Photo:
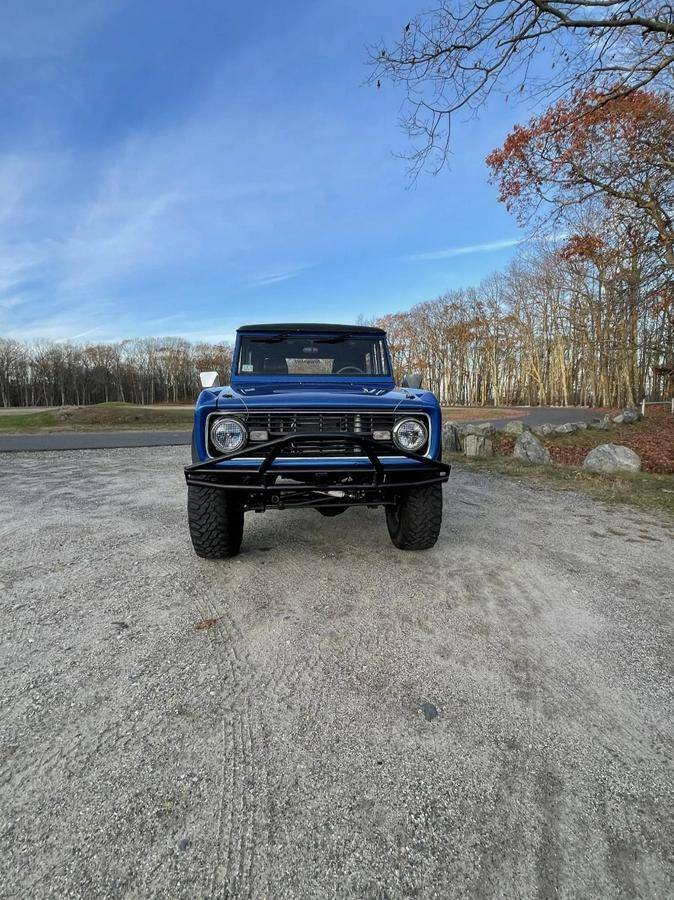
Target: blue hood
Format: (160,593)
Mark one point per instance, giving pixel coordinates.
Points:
(307,395)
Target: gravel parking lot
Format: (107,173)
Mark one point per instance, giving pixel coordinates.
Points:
(489,718)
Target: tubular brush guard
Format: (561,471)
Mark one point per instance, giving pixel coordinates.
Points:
(372,485)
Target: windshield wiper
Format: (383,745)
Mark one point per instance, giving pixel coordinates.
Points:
(281,336)
(337,339)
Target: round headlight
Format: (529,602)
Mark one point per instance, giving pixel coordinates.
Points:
(410,434)
(228,435)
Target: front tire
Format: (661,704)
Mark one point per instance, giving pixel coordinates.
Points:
(215,518)
(414,522)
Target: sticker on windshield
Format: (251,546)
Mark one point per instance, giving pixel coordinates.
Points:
(247,367)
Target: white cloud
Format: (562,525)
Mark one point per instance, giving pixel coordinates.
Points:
(487,247)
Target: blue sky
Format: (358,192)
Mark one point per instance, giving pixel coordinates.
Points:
(181,168)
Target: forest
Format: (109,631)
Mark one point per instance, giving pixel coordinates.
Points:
(568,326)
(147,371)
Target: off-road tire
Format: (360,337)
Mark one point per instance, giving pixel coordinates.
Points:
(330,511)
(414,522)
(216,521)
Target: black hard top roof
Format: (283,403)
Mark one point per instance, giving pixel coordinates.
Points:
(314,327)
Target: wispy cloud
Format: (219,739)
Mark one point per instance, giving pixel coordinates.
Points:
(264,280)
(487,247)
(77,337)
(11,302)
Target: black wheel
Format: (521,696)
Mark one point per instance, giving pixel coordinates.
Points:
(414,522)
(330,511)
(216,521)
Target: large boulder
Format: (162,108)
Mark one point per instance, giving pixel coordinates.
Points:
(451,438)
(516,426)
(602,424)
(543,430)
(580,426)
(566,428)
(478,445)
(529,449)
(607,458)
(484,428)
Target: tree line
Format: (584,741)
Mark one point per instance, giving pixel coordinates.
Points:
(152,370)
(559,326)
(583,322)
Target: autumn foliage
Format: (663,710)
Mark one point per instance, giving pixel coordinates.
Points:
(620,152)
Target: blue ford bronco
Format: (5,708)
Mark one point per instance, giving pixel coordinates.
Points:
(312,418)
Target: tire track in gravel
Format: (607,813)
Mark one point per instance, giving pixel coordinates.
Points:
(242,825)
(231,817)
(277,677)
(242,806)
(553,669)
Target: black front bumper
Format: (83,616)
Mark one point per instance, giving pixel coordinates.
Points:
(307,484)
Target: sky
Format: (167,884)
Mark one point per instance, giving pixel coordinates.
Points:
(172,168)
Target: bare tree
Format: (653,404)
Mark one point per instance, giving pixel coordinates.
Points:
(151,370)
(456,54)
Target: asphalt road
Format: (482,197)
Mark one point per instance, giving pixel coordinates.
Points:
(87,440)
(92,440)
(491,718)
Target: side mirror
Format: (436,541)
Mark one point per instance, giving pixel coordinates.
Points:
(412,380)
(209,379)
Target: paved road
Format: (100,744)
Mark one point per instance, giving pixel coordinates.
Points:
(293,750)
(91,440)
(118,439)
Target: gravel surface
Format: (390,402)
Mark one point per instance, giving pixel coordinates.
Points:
(490,718)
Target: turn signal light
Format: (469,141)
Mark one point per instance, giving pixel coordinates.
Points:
(381,435)
(259,435)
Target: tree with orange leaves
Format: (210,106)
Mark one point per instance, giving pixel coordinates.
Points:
(582,149)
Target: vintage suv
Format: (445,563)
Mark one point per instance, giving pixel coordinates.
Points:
(312,419)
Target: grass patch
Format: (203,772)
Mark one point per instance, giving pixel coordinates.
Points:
(101,417)
(27,421)
(643,490)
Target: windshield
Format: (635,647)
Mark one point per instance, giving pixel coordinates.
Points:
(325,354)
